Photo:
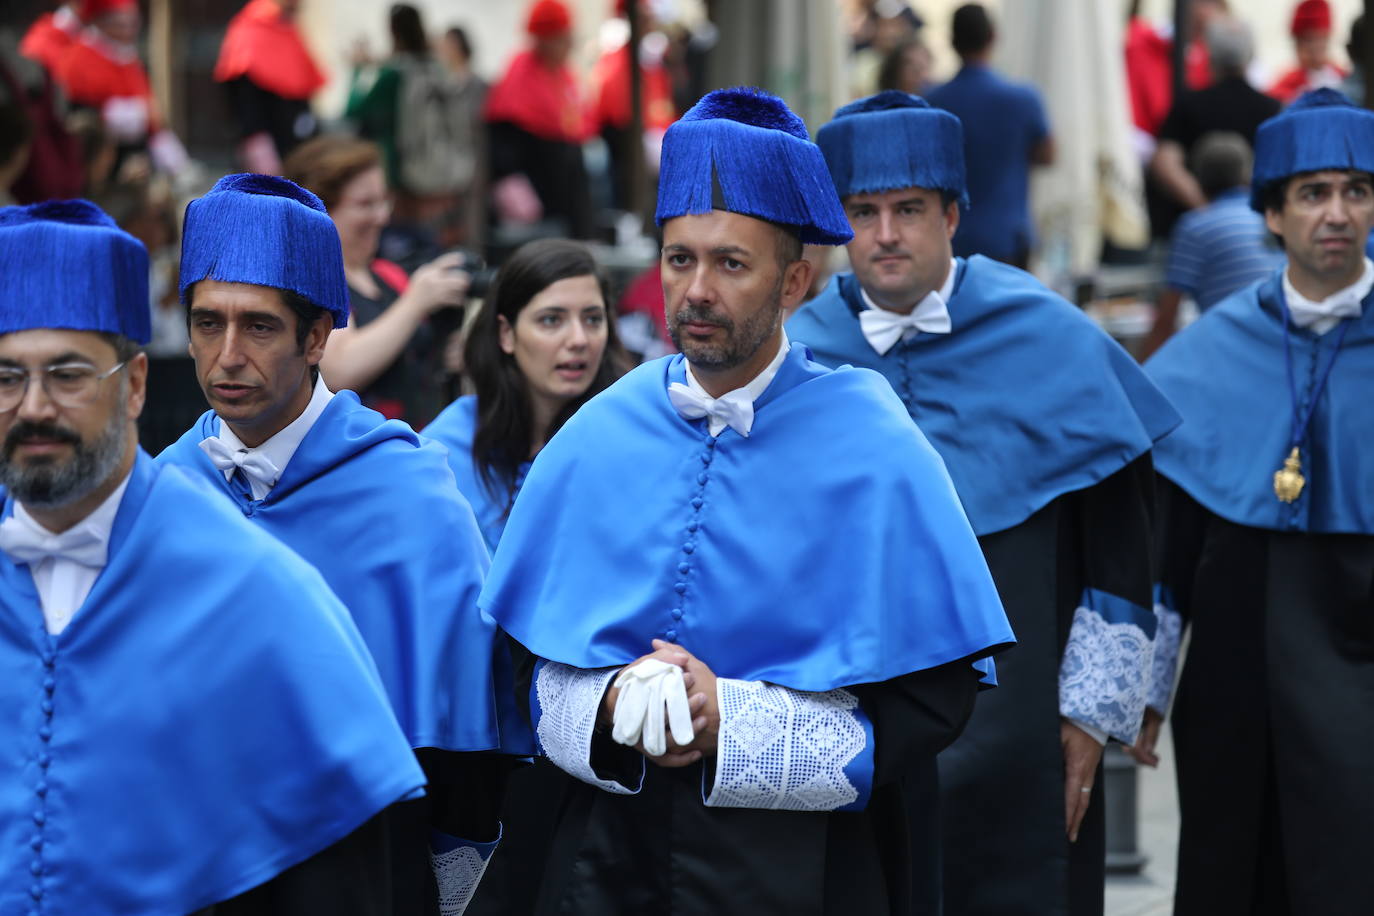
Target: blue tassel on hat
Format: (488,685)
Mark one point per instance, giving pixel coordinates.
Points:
(268,231)
(65,264)
(1321,130)
(743,150)
(893,140)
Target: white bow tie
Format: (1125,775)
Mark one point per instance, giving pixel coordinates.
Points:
(883,329)
(255,465)
(28,544)
(1306,314)
(734,408)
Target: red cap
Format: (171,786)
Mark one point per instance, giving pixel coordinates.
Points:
(92,9)
(549,17)
(1311,16)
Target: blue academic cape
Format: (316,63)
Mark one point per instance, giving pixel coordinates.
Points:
(1026,399)
(1227,374)
(375,510)
(209,717)
(455,428)
(827,549)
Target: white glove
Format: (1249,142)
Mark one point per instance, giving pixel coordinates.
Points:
(647,690)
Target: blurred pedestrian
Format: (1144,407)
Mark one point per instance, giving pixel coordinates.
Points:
(906,68)
(1311,31)
(390,351)
(1266,499)
(102,71)
(610,97)
(51,34)
(537,124)
(1045,425)
(1005,133)
(270,76)
(1229,104)
(1217,249)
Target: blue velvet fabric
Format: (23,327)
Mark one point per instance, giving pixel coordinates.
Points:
(827,549)
(269,231)
(744,151)
(66,264)
(209,718)
(1226,374)
(455,428)
(376,512)
(1025,400)
(1321,130)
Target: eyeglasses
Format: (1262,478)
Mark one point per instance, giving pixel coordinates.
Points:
(67,385)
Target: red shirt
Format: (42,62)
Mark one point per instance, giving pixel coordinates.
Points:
(539,100)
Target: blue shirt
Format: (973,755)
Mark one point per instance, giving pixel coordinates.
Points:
(1003,122)
(1219,249)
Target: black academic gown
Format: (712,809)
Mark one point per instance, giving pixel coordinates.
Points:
(995,387)
(1008,768)
(1273,719)
(662,851)
(381,869)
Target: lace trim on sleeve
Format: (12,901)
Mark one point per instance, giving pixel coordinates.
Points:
(458,870)
(789,750)
(567,700)
(1168,637)
(1104,675)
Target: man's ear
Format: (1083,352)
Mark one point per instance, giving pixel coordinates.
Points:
(317,337)
(137,368)
(951,219)
(796,283)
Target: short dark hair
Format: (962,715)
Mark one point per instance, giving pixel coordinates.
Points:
(789,246)
(971,29)
(408,30)
(125,348)
(306,312)
(460,38)
(1221,160)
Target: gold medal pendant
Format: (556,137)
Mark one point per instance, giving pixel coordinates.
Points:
(1288,480)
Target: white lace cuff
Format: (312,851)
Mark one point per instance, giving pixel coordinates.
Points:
(790,750)
(1168,637)
(458,868)
(564,706)
(1105,673)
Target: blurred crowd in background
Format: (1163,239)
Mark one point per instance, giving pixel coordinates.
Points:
(434,168)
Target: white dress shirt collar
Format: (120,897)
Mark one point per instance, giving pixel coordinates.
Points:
(280,448)
(751,391)
(63,584)
(1322,316)
(930,314)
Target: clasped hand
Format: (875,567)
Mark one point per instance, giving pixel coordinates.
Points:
(650,722)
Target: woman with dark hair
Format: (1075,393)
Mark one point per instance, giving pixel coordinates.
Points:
(541,346)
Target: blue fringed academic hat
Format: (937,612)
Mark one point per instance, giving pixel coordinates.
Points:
(1321,130)
(893,140)
(268,231)
(743,150)
(65,264)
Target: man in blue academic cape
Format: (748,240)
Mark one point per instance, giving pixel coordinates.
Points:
(191,721)
(359,497)
(761,552)
(1267,499)
(1045,425)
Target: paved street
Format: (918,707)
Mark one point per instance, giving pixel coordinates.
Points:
(1151,892)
